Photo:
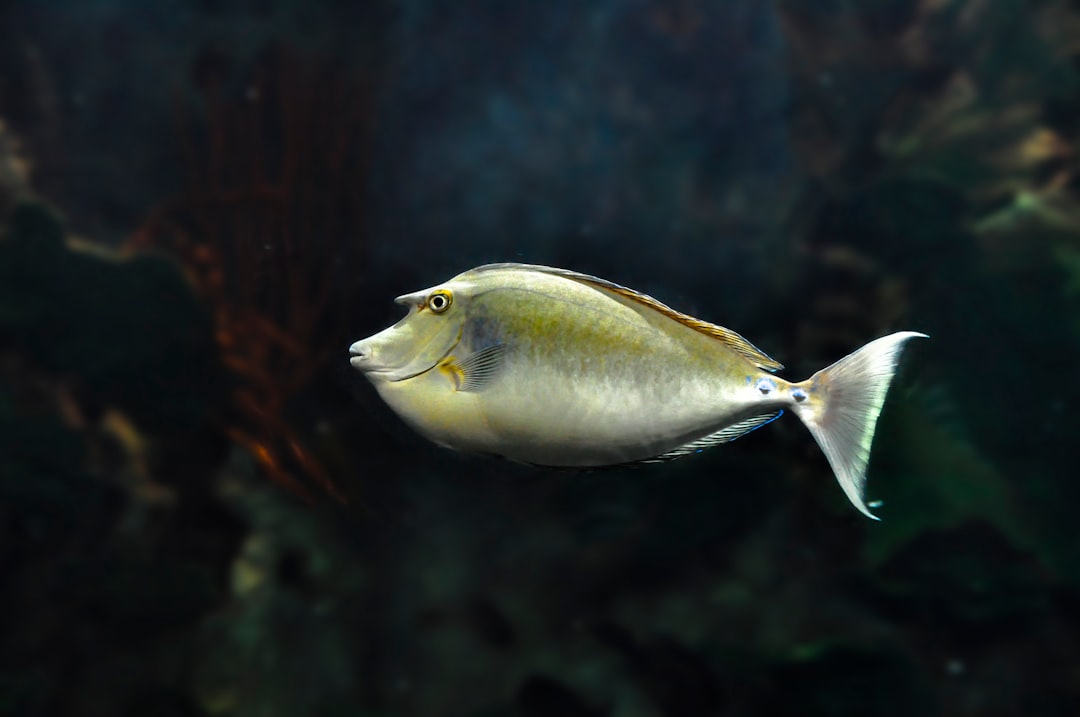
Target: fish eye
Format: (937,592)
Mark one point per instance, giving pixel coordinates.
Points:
(440,301)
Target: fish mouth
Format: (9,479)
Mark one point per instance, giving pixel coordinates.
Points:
(385,373)
(361,355)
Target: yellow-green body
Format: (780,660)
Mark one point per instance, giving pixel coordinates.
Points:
(556,368)
(590,378)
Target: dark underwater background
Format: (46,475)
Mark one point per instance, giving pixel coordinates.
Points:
(204,511)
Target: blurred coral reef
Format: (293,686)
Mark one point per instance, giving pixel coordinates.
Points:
(275,207)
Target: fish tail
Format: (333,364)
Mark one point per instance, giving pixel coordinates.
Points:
(840,405)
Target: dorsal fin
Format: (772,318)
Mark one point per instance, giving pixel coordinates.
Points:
(731,339)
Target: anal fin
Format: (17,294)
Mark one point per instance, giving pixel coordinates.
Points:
(724,435)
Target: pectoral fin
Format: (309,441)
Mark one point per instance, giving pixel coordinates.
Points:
(476,371)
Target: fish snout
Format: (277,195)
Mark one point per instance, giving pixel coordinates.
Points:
(360,354)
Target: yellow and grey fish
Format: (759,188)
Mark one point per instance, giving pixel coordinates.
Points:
(556,368)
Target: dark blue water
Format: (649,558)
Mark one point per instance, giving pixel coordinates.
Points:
(205,511)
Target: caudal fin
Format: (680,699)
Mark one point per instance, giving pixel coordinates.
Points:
(842,405)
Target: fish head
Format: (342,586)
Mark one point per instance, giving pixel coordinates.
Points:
(418,342)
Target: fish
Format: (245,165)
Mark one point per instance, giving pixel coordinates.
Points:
(560,369)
